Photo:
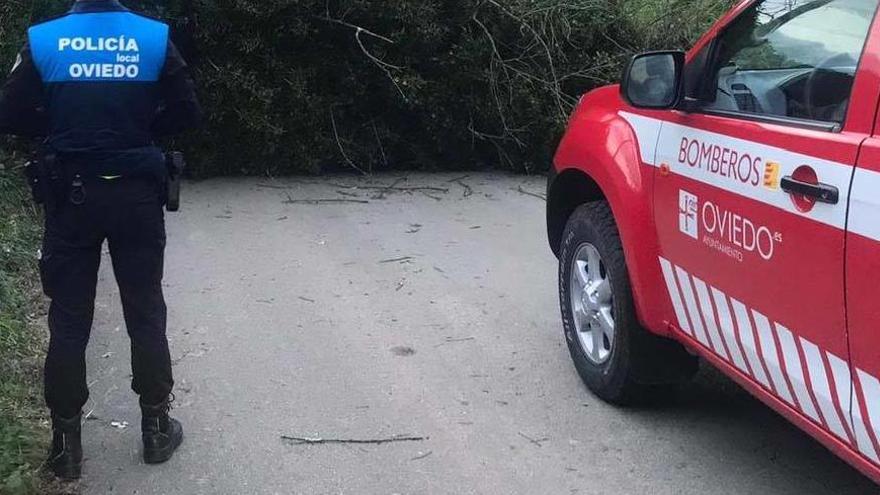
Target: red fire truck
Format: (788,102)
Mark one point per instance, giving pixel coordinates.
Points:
(724,203)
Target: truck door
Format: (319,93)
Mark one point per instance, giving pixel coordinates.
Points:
(751,199)
(863,276)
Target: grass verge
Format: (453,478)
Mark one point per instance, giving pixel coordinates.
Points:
(23,425)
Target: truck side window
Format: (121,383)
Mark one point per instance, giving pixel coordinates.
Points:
(791,58)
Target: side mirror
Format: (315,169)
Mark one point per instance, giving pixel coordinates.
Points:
(654,80)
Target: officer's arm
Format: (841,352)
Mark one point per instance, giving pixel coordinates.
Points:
(22,110)
(180,108)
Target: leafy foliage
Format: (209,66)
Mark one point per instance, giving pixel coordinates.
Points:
(21,431)
(313,85)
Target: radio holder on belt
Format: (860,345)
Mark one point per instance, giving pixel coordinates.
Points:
(43,179)
(176,165)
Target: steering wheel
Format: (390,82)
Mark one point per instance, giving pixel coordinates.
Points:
(823,77)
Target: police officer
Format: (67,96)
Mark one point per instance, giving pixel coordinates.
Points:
(101,83)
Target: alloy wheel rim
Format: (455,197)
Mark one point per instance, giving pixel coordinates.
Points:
(592,304)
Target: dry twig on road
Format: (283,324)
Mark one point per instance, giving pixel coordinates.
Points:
(454,340)
(468,190)
(388,189)
(395,188)
(533,440)
(397,260)
(370,441)
(422,456)
(436,198)
(529,193)
(291,201)
(349,194)
(463,177)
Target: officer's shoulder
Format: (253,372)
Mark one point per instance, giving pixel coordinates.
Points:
(48,20)
(148,17)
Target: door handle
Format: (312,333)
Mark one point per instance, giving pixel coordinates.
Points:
(823,193)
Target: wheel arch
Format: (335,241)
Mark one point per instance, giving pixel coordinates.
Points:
(599,159)
(566,191)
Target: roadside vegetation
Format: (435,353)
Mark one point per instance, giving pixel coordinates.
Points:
(23,427)
(305,86)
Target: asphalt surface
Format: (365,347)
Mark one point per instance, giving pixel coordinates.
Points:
(425,313)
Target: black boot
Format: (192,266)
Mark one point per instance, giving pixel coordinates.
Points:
(65,458)
(162,434)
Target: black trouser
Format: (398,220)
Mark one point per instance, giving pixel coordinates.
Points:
(128,214)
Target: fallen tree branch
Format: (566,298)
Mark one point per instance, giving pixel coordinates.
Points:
(379,141)
(348,160)
(371,441)
(388,189)
(355,27)
(526,26)
(381,64)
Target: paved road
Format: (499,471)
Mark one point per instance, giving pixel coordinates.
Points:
(420,313)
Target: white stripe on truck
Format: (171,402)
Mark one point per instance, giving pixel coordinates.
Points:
(659,142)
(810,391)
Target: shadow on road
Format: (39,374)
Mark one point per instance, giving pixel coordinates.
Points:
(750,435)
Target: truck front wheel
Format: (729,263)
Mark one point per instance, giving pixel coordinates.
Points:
(613,354)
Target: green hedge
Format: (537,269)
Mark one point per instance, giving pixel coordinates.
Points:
(23,430)
(315,85)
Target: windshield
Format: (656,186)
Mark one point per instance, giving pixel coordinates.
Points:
(790,34)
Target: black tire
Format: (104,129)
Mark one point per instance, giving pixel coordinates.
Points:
(640,364)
